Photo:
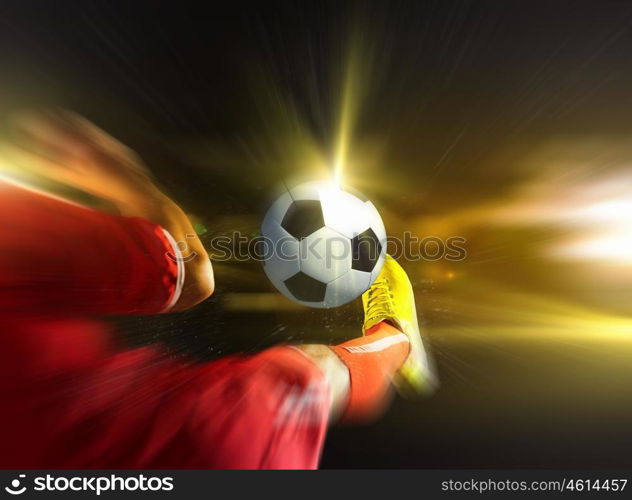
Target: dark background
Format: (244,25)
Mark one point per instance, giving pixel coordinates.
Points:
(456,96)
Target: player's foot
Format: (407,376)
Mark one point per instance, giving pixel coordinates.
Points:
(391,299)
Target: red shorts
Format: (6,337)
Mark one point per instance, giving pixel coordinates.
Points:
(72,399)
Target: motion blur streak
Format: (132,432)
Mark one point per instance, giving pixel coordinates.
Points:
(506,123)
(571,212)
(353,87)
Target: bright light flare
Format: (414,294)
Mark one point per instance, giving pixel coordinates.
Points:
(593,220)
(608,224)
(616,249)
(353,90)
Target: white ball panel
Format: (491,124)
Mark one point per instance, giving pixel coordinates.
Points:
(317,305)
(344,212)
(279,269)
(325,255)
(346,288)
(284,259)
(375,222)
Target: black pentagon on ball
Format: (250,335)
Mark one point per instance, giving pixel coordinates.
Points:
(303,217)
(366,249)
(306,288)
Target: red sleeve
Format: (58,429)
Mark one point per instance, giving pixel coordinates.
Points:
(59,257)
(268,411)
(71,401)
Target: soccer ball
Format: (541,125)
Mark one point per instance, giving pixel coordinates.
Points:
(323,246)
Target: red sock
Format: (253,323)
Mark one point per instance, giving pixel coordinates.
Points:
(372,360)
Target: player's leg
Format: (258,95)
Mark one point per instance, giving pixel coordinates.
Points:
(140,409)
(353,379)
(272,410)
(361,371)
(390,299)
(391,350)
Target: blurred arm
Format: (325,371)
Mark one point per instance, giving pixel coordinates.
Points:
(199,282)
(71,150)
(61,258)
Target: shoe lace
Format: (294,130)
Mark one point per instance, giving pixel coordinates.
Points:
(379,298)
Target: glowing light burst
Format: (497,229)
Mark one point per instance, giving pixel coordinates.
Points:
(613,249)
(353,87)
(609,227)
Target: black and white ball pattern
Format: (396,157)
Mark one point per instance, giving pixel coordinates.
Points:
(327,245)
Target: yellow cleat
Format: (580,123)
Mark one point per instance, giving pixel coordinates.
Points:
(391,299)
